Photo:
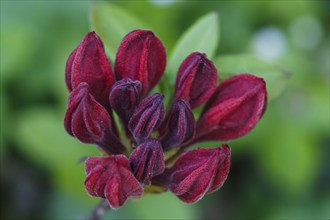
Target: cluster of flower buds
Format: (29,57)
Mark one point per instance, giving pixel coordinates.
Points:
(232,109)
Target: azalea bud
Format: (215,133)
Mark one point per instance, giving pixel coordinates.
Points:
(233,110)
(180,125)
(147,161)
(111,178)
(196,80)
(88,63)
(147,117)
(124,97)
(89,121)
(199,172)
(141,56)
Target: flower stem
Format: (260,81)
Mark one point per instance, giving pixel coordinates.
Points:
(99,210)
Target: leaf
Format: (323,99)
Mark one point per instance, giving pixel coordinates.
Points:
(202,36)
(275,76)
(112,23)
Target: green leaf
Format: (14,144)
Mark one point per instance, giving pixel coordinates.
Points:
(112,23)
(275,76)
(202,36)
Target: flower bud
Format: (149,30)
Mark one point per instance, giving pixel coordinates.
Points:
(196,80)
(89,121)
(141,56)
(147,161)
(111,178)
(147,117)
(88,63)
(233,110)
(180,125)
(124,97)
(199,172)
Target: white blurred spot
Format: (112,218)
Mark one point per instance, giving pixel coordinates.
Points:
(306,32)
(163,2)
(269,43)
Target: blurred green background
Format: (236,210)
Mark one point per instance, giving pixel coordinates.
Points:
(279,171)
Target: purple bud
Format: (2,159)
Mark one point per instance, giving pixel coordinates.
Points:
(233,110)
(180,125)
(147,117)
(141,56)
(147,161)
(111,178)
(88,63)
(196,80)
(199,172)
(124,97)
(89,121)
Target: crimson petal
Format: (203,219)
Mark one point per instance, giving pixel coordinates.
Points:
(141,56)
(111,178)
(147,161)
(196,80)
(233,110)
(89,63)
(89,121)
(199,172)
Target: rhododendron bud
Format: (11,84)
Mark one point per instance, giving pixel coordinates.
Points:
(234,109)
(198,172)
(111,178)
(180,125)
(89,121)
(141,56)
(147,117)
(196,80)
(147,161)
(124,97)
(88,63)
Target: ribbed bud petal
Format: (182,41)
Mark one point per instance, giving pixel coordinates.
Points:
(88,63)
(233,110)
(147,117)
(198,172)
(147,161)
(180,125)
(124,97)
(89,121)
(141,56)
(111,178)
(196,80)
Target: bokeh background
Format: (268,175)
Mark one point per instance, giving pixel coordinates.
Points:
(279,171)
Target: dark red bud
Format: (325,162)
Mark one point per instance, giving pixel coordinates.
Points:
(111,178)
(88,63)
(147,117)
(147,161)
(196,80)
(180,125)
(199,172)
(234,109)
(141,56)
(124,97)
(89,121)
(68,69)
